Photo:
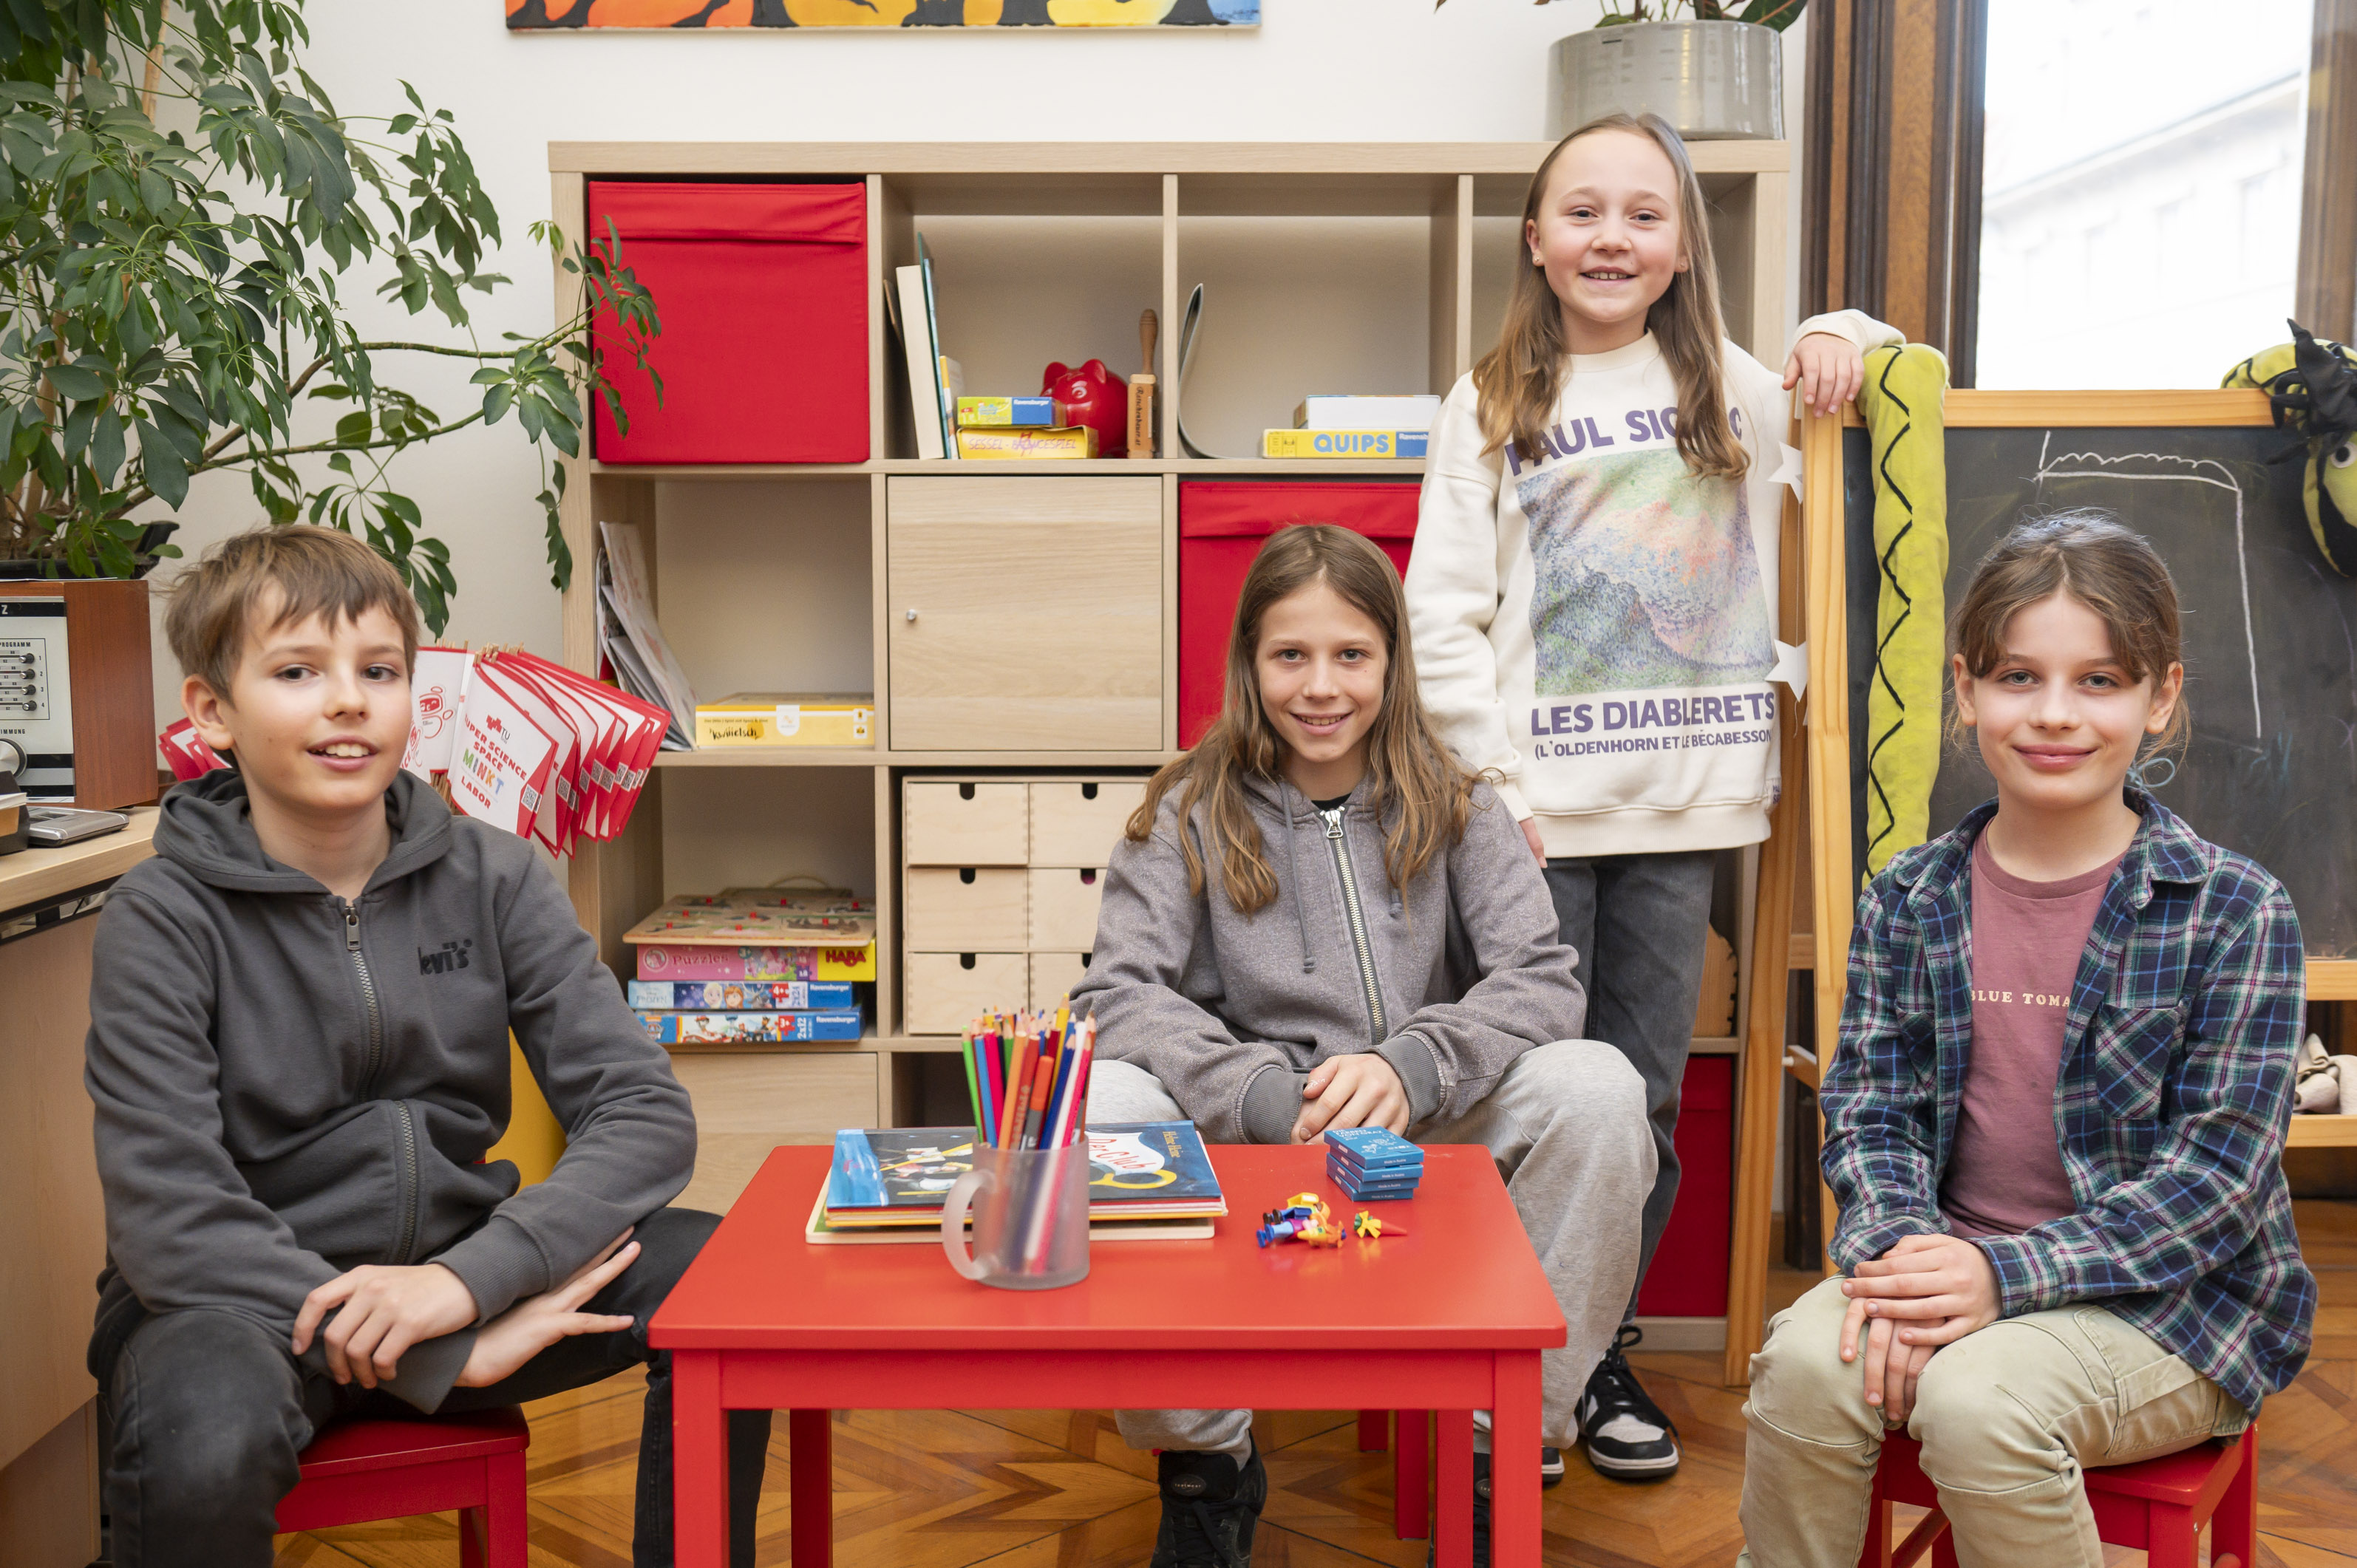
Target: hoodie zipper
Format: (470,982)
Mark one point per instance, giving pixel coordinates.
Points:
(1367,982)
(404,1128)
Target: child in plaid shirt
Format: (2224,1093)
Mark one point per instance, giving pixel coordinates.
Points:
(2056,1121)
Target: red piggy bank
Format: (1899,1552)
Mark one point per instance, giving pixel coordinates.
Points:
(1093,396)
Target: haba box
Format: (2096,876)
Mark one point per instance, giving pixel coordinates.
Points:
(787,718)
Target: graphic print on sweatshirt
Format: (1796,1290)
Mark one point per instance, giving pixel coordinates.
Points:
(1645,577)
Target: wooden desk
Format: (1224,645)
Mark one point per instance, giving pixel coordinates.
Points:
(48,1187)
(1451,1317)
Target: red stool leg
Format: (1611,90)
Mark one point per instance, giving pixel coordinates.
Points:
(2171,1538)
(1375,1430)
(1411,1452)
(2235,1528)
(812,1435)
(472,1527)
(1453,1532)
(506,1517)
(1875,1553)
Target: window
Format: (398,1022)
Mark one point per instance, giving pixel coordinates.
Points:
(2141,178)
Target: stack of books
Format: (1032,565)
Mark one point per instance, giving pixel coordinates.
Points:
(797,952)
(1148,1181)
(1019,427)
(787,718)
(1341,427)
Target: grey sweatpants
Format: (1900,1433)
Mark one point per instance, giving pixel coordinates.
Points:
(1566,1126)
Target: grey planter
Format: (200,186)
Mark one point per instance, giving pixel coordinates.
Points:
(1712,80)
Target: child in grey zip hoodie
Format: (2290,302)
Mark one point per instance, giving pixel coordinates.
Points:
(1319,920)
(298,1060)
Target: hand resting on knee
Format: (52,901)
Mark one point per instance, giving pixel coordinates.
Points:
(1926,1292)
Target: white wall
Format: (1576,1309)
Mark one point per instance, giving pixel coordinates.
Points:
(1316,69)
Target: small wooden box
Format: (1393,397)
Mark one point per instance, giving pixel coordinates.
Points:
(1053,975)
(944,991)
(113,762)
(966,824)
(1064,902)
(964,909)
(1077,823)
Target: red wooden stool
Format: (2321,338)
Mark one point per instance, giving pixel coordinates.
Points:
(2159,1505)
(357,1471)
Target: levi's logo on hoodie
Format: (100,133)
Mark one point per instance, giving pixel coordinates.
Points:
(449,956)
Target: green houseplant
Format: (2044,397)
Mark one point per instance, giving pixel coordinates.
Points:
(171,299)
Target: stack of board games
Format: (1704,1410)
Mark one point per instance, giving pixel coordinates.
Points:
(757,933)
(1372,1163)
(1147,1181)
(753,966)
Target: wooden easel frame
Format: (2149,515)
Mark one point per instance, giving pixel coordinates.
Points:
(1819,763)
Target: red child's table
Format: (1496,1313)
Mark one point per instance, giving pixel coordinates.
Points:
(1451,1317)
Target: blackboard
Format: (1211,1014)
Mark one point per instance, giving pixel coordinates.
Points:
(2270,634)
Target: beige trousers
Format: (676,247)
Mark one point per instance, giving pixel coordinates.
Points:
(2006,1417)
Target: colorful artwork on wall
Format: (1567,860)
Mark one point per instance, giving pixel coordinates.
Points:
(530,16)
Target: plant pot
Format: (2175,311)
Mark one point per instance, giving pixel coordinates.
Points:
(1711,80)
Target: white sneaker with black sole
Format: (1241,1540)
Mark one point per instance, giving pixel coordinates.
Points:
(1627,1435)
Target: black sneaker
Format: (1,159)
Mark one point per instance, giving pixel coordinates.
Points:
(1550,1468)
(1209,1509)
(1628,1436)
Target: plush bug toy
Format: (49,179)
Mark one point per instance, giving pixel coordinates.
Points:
(2311,384)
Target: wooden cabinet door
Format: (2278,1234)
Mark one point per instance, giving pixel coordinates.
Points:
(1026,613)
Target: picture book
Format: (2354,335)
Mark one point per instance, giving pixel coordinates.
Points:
(820,1231)
(1356,444)
(923,363)
(900,1175)
(738,995)
(1330,412)
(680,960)
(787,718)
(750,1028)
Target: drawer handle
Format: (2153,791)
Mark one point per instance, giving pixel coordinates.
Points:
(1088,879)
(1088,791)
(965,874)
(912,615)
(965,961)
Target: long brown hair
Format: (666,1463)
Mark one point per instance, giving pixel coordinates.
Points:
(2109,568)
(1406,764)
(1520,380)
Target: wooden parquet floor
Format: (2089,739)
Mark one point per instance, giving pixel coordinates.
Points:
(1059,1490)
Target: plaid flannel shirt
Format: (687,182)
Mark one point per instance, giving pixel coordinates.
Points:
(2172,1106)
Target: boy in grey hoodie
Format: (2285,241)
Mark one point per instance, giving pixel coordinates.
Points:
(1320,941)
(299,1058)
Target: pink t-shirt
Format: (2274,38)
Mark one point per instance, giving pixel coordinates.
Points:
(2005,1167)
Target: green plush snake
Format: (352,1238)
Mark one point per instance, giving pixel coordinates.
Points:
(2311,385)
(1903,405)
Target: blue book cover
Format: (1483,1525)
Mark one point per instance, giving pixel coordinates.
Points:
(1135,1168)
(739,995)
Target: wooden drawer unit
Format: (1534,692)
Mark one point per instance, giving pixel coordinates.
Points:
(1000,883)
(1053,975)
(972,823)
(747,1102)
(966,909)
(1064,902)
(941,993)
(1077,822)
(972,670)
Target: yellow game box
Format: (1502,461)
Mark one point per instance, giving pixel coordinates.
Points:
(787,718)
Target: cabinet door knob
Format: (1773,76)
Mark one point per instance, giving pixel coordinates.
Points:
(910,613)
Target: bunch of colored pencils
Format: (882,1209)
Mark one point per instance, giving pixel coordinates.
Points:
(1027,1076)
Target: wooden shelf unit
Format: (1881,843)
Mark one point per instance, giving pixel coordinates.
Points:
(730,535)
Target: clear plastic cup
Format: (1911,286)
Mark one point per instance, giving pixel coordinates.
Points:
(1030,1217)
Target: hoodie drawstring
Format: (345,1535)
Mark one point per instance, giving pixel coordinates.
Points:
(1292,869)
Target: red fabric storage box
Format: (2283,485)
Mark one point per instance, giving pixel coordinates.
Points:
(762,292)
(1688,1278)
(1221,526)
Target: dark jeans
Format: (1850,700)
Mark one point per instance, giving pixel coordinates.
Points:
(1637,923)
(208,1411)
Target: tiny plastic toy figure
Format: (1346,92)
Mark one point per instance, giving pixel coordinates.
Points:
(1320,1232)
(1298,1211)
(1366,1228)
(1283,1229)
